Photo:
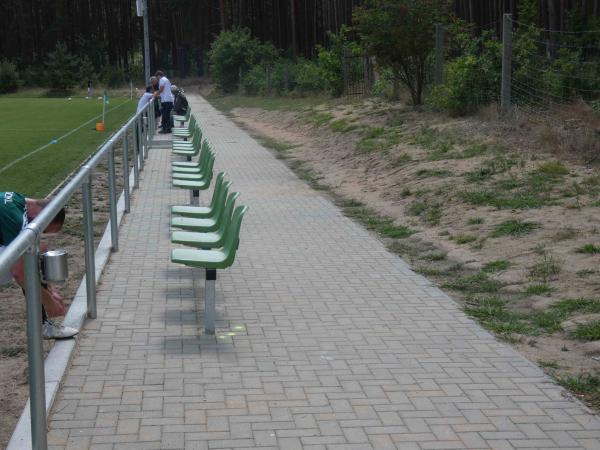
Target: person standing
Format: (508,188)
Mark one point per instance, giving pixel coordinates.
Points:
(16,211)
(166,101)
(145,98)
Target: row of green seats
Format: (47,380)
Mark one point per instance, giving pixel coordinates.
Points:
(212,231)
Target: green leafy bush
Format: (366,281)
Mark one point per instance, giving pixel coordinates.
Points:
(309,78)
(470,80)
(331,61)
(235,50)
(9,77)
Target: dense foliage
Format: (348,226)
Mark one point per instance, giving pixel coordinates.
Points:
(399,33)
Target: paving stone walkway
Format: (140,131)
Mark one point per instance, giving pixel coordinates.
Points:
(325,340)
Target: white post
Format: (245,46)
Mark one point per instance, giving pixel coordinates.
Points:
(103,106)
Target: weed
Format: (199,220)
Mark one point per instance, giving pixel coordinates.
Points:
(351,203)
(493,315)
(584,384)
(553,169)
(548,268)
(548,364)
(433,173)
(401,159)
(478,282)
(381,224)
(341,126)
(464,238)
(274,144)
(589,249)
(475,221)
(480,174)
(429,213)
(474,150)
(584,273)
(496,266)
(514,228)
(436,256)
(405,192)
(569,306)
(318,118)
(538,289)
(12,352)
(518,200)
(547,321)
(587,331)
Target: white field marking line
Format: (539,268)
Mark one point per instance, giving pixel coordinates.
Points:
(39,149)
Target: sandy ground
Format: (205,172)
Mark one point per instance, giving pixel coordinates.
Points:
(394,177)
(14,389)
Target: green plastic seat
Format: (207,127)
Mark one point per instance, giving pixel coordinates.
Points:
(192,146)
(214,239)
(198,175)
(189,163)
(207,224)
(183,118)
(204,211)
(196,167)
(200,184)
(217,258)
(186,131)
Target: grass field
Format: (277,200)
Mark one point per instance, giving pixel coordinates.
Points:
(28,123)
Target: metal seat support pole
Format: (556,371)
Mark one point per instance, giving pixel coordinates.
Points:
(35,350)
(209,301)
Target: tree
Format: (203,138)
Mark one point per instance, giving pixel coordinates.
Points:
(62,69)
(400,34)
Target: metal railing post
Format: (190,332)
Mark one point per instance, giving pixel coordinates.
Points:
(126,174)
(135,158)
(112,201)
(146,134)
(35,350)
(88,229)
(140,144)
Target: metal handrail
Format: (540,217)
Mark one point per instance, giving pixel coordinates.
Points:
(26,245)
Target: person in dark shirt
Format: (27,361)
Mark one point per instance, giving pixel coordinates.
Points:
(180,104)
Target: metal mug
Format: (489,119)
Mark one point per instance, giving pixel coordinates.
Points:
(54,265)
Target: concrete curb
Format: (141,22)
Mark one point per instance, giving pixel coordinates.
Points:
(58,359)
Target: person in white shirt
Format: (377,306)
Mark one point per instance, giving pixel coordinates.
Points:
(145,98)
(166,101)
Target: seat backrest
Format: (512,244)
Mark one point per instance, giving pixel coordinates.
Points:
(220,181)
(192,124)
(224,214)
(208,167)
(233,234)
(220,202)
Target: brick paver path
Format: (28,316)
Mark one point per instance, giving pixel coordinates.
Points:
(325,340)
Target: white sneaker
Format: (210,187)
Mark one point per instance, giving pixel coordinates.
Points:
(51,330)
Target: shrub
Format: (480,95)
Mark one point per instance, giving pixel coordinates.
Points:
(9,77)
(331,61)
(113,76)
(309,77)
(470,80)
(255,81)
(235,50)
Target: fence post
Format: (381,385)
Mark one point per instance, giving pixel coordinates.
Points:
(35,351)
(88,238)
(268,77)
(240,80)
(126,173)
(112,201)
(439,54)
(506,64)
(346,54)
(286,77)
